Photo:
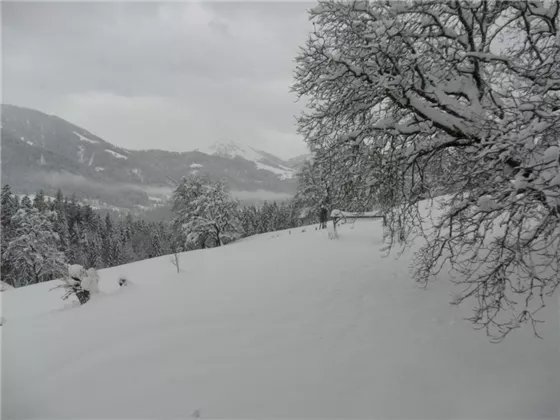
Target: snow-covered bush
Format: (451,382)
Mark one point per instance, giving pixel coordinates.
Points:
(80,282)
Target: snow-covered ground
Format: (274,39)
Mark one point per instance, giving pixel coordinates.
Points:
(5,286)
(26,141)
(115,154)
(84,138)
(275,326)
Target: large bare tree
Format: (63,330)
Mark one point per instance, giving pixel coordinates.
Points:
(457,99)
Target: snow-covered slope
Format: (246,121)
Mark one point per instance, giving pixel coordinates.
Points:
(263,160)
(282,325)
(231,150)
(5,286)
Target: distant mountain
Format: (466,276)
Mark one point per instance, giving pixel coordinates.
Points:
(298,161)
(44,151)
(262,160)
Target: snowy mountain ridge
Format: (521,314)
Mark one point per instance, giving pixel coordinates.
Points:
(231,150)
(41,151)
(262,160)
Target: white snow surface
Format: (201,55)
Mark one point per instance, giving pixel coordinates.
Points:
(275,326)
(196,165)
(5,286)
(26,141)
(84,138)
(115,154)
(76,270)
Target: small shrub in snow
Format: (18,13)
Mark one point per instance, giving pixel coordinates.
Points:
(176,261)
(123,281)
(80,282)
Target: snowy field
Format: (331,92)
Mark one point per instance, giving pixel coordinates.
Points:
(276,326)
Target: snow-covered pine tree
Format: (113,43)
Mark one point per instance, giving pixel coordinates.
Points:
(8,210)
(92,252)
(248,217)
(398,88)
(26,202)
(265,214)
(33,253)
(76,244)
(61,228)
(128,254)
(156,248)
(272,220)
(39,201)
(283,218)
(58,203)
(116,255)
(107,241)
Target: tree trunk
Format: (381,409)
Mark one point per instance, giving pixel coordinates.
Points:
(218,239)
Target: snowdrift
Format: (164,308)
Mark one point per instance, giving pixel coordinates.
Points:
(282,325)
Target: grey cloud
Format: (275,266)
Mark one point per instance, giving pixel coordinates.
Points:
(224,65)
(65,180)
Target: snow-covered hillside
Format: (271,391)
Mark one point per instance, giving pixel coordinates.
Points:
(282,325)
(231,150)
(262,160)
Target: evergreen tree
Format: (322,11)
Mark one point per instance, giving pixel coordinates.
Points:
(26,202)
(156,248)
(33,253)
(107,240)
(264,215)
(61,228)
(58,203)
(116,256)
(39,201)
(128,254)
(93,258)
(9,209)
(76,245)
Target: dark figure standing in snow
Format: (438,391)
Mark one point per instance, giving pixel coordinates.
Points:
(323,217)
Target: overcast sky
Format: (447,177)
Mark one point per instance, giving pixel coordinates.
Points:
(172,76)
